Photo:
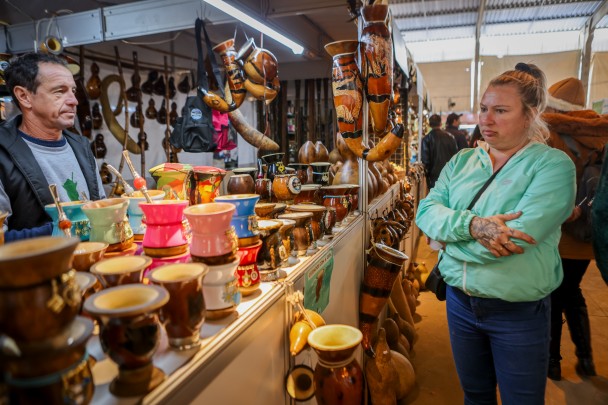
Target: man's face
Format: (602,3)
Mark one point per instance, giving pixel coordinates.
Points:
(53,105)
(456,122)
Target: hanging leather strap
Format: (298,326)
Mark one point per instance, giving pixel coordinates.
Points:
(202,76)
(486,184)
(480,192)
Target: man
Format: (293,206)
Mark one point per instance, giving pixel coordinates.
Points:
(600,219)
(451,125)
(436,150)
(35,149)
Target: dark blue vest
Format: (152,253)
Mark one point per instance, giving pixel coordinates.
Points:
(24,182)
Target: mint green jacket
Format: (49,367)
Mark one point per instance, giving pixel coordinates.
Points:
(537,180)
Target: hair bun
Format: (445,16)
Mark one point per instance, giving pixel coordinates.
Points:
(523,67)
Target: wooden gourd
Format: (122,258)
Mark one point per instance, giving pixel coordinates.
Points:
(406,377)
(381,375)
(349,172)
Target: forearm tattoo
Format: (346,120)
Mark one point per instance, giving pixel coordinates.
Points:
(484,230)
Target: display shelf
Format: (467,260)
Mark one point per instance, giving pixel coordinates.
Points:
(217,336)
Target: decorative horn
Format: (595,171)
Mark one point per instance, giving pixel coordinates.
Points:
(52,45)
(216,102)
(249,133)
(260,92)
(385,148)
(234,73)
(108,115)
(376,51)
(348,102)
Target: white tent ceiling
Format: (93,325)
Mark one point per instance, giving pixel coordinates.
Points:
(437,30)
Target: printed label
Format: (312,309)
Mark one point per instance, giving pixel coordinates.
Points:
(196,114)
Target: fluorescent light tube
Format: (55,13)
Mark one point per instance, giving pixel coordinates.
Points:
(252,22)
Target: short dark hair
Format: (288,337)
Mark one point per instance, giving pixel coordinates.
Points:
(451,118)
(23,71)
(435,121)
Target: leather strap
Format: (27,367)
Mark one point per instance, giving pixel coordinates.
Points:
(202,77)
(486,184)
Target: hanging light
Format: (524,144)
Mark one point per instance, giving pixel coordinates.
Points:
(252,22)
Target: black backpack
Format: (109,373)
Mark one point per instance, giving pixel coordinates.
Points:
(582,228)
(193,131)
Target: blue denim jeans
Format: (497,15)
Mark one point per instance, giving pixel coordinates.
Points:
(495,341)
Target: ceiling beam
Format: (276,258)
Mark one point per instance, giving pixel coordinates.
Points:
(476,64)
(320,43)
(601,11)
(290,8)
(588,31)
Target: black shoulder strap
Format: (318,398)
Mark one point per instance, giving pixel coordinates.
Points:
(486,184)
(202,77)
(480,192)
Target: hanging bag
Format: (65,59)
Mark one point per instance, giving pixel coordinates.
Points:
(581,229)
(193,131)
(435,281)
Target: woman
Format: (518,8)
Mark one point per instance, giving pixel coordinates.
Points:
(500,259)
(581,134)
(475,138)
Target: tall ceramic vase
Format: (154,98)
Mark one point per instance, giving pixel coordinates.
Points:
(244,219)
(184,314)
(247,273)
(136,214)
(338,376)
(73,210)
(38,294)
(171,177)
(202,184)
(109,223)
(347,88)
(165,234)
(383,266)
(221,291)
(377,64)
(214,240)
(130,334)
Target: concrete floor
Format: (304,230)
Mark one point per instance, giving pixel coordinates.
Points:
(437,381)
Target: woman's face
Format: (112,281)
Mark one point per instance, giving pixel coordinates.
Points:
(502,120)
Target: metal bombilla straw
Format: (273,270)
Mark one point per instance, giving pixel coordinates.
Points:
(62,220)
(126,186)
(138,181)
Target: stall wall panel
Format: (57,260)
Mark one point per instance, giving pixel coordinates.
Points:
(250,370)
(445,80)
(256,361)
(556,66)
(599,78)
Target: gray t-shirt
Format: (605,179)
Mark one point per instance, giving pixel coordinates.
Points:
(60,166)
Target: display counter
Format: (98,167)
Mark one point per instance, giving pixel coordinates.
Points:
(244,358)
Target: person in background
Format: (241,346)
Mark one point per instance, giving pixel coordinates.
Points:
(437,148)
(36,150)
(475,138)
(581,134)
(500,259)
(599,214)
(451,125)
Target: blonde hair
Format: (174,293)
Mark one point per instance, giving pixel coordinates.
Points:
(531,84)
